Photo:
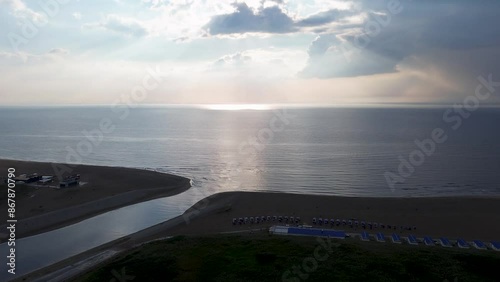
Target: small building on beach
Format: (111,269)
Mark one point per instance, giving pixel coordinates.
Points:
(73,180)
(28,178)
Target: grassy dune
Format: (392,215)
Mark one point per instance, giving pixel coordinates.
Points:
(265,258)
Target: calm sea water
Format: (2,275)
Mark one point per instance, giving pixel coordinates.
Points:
(334,151)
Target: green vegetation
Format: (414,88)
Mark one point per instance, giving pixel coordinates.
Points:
(267,258)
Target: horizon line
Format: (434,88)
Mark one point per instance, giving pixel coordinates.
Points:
(255,106)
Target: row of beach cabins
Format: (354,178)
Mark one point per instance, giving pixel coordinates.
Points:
(307,230)
(259,219)
(358,223)
(380,237)
(322,222)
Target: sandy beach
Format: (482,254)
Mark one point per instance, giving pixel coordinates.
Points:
(460,217)
(40,209)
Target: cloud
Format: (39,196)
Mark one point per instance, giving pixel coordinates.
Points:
(321,18)
(15,58)
(262,64)
(21,11)
(421,30)
(119,24)
(244,19)
(238,59)
(267,19)
(77,16)
(59,51)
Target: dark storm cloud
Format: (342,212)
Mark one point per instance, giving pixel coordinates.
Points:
(421,29)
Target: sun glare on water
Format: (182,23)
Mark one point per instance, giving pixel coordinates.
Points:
(237,107)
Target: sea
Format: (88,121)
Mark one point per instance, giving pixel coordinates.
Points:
(328,151)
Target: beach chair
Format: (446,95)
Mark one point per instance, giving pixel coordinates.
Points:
(268,218)
(292,219)
(428,241)
(412,240)
(380,238)
(365,236)
(320,221)
(234,221)
(479,245)
(396,239)
(445,242)
(337,222)
(495,246)
(297,219)
(462,244)
(314,220)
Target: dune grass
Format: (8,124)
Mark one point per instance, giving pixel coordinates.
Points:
(268,258)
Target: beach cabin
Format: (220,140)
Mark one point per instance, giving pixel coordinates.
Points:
(445,242)
(462,244)
(396,239)
(380,238)
(479,245)
(428,241)
(365,236)
(495,246)
(412,240)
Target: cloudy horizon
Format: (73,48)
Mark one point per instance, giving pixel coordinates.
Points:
(250,52)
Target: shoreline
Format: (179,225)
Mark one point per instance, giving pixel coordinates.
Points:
(42,209)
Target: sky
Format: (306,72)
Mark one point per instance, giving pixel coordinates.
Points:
(250,52)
